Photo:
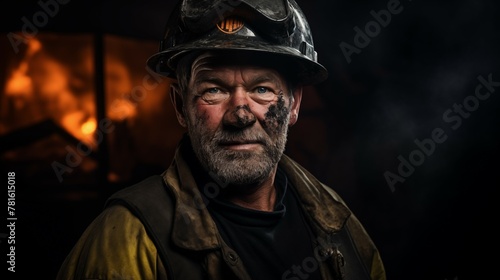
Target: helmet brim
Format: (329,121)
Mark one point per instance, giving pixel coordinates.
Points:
(299,67)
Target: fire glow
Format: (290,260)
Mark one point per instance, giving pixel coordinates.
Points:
(49,95)
(49,87)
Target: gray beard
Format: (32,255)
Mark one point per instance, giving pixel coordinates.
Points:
(237,167)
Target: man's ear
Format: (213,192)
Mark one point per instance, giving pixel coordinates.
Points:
(295,106)
(177,100)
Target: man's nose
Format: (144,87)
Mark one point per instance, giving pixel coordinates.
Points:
(239,113)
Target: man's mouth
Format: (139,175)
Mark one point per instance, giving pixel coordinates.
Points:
(242,145)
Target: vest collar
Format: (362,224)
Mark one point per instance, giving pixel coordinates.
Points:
(193,226)
(319,202)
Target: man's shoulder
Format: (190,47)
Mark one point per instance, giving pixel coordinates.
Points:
(144,194)
(139,190)
(116,219)
(114,234)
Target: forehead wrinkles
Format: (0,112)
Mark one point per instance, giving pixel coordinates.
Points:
(255,75)
(234,75)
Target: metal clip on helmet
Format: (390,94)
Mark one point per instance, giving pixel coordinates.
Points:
(272,29)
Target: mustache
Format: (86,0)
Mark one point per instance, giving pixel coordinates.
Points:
(224,137)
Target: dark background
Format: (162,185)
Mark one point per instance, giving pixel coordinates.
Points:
(440,223)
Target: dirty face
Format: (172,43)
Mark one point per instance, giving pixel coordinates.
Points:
(238,118)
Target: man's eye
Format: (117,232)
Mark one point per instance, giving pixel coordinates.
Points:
(213,95)
(262,90)
(213,90)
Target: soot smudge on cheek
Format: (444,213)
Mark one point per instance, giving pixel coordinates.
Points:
(277,114)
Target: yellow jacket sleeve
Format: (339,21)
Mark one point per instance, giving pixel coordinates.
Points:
(114,246)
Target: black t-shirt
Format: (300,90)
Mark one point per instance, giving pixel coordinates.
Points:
(269,243)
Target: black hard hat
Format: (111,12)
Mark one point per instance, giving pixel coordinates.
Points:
(275,29)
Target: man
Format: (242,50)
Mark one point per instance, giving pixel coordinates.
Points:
(231,205)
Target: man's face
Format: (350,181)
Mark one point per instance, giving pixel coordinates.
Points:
(237,118)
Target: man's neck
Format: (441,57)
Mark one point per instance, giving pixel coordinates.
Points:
(260,197)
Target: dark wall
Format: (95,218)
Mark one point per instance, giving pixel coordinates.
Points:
(415,79)
(402,133)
